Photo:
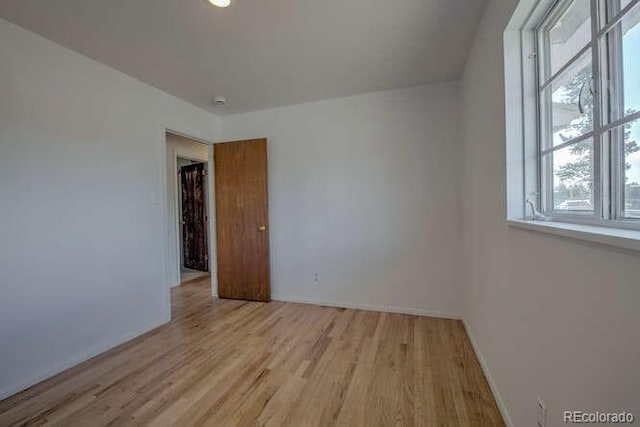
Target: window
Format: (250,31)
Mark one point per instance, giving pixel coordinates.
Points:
(587,84)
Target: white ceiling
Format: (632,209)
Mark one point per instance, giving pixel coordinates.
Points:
(263,53)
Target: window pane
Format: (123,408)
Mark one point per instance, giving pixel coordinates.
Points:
(569,34)
(573,178)
(631,193)
(614,7)
(568,103)
(623,43)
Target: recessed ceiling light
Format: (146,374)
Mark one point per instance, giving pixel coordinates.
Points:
(220,3)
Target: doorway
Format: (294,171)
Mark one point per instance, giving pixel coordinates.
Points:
(233,191)
(188,210)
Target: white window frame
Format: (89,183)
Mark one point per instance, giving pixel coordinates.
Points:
(608,178)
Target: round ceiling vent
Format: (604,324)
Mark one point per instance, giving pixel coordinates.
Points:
(220,101)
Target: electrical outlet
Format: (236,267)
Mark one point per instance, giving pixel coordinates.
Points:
(316,278)
(542,413)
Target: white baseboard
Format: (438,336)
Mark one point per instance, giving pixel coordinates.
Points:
(492,384)
(383,308)
(60,367)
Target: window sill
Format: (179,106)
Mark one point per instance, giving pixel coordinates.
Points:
(622,238)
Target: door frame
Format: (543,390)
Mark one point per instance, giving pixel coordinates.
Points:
(178,212)
(170,282)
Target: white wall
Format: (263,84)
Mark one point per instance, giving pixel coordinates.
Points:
(365,192)
(178,146)
(82,236)
(552,317)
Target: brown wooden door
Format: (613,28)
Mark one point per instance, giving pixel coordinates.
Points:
(242,227)
(194,217)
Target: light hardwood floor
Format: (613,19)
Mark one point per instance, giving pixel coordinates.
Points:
(225,363)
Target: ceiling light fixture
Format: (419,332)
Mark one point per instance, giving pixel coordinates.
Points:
(220,3)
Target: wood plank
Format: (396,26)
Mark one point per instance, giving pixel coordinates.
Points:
(238,363)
